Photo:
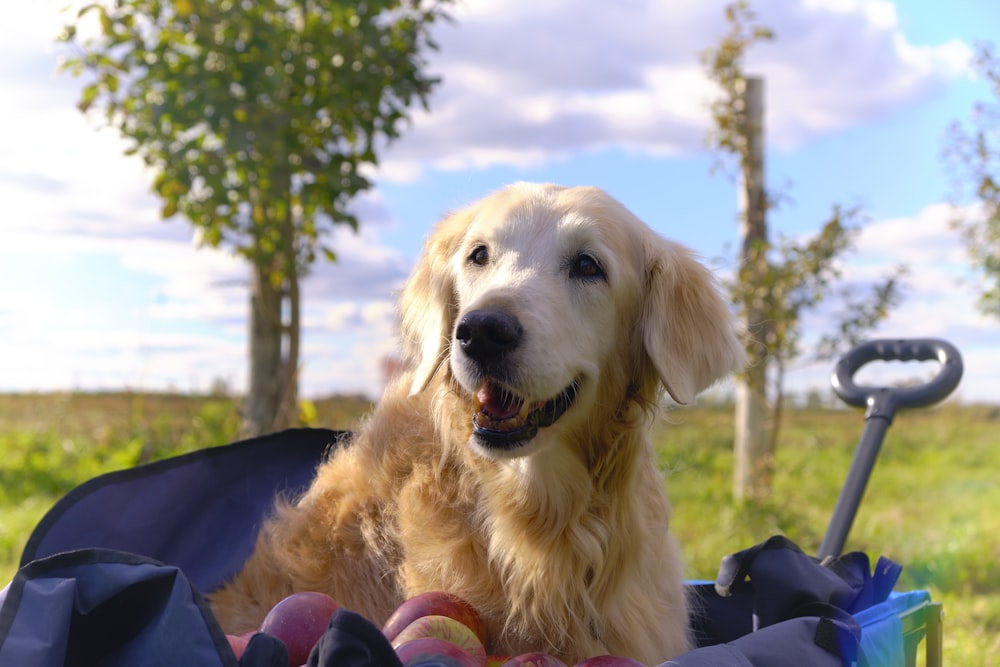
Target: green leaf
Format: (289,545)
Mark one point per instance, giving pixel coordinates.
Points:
(88,97)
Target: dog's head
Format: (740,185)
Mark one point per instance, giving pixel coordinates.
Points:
(545,303)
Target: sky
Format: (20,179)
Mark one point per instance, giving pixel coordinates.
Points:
(98,293)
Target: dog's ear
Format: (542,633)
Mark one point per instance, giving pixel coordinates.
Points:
(428,305)
(688,330)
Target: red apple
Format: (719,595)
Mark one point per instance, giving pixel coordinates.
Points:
(534,660)
(436,651)
(299,620)
(448,629)
(609,661)
(238,643)
(435,603)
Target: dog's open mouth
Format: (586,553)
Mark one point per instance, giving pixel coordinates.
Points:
(504,420)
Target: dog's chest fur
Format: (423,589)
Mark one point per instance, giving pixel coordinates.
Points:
(533,547)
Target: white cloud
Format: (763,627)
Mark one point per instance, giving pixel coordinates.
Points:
(627,75)
(939,302)
(34,23)
(834,65)
(56,348)
(879,13)
(341,316)
(933,251)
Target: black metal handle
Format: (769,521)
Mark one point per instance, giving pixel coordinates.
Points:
(882,403)
(913,349)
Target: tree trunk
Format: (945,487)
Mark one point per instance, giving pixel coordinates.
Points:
(752,442)
(264,384)
(288,401)
(753,468)
(286,413)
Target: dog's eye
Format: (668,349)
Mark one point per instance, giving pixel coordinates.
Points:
(480,256)
(585,266)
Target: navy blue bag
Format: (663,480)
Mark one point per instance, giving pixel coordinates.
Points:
(105,607)
(114,574)
(199,511)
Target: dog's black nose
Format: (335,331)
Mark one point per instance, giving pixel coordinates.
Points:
(486,334)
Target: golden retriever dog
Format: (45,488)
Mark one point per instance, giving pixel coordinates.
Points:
(509,462)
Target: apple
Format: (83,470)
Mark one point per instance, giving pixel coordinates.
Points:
(534,660)
(448,629)
(434,651)
(299,621)
(238,643)
(609,661)
(435,603)
(497,660)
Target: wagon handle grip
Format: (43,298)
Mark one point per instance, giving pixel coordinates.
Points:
(887,399)
(881,404)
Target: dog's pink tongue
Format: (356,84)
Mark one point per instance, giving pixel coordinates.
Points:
(497,402)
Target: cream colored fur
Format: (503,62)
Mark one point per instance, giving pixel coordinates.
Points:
(562,544)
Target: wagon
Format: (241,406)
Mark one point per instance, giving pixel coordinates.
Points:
(93,590)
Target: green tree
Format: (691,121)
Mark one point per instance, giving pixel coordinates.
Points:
(258,120)
(776,283)
(973,151)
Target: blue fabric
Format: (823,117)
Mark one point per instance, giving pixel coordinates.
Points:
(882,629)
(774,605)
(720,655)
(200,511)
(101,607)
(790,643)
(792,583)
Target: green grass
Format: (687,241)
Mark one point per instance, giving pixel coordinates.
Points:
(931,504)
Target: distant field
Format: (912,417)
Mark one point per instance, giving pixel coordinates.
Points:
(933,504)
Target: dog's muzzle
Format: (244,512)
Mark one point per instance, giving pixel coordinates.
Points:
(502,419)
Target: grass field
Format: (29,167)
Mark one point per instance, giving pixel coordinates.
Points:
(932,504)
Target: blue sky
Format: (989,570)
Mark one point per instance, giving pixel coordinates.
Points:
(98,293)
